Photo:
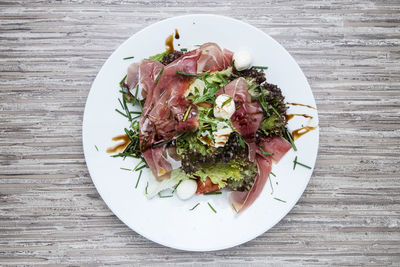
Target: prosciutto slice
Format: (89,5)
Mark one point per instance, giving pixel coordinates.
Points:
(156,158)
(247,118)
(147,70)
(165,107)
(132,78)
(246,121)
(276,145)
(213,58)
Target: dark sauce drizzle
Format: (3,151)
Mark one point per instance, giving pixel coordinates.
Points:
(121,146)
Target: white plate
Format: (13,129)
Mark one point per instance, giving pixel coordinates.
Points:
(168,221)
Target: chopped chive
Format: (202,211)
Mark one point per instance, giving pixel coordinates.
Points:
(96,147)
(140,105)
(233,207)
(239,106)
(301,164)
(180,181)
(270,182)
(159,194)
(125,169)
(211,207)
(266,153)
(289,135)
(162,143)
(125,58)
(186,74)
(126,108)
(122,155)
(226,101)
(122,106)
(280,200)
(136,117)
(184,49)
(121,83)
(136,93)
(276,112)
(140,162)
(142,167)
(135,124)
(127,133)
(158,77)
(121,113)
(187,113)
(195,206)
(213,193)
(260,67)
(140,175)
(147,185)
(273,174)
(295,162)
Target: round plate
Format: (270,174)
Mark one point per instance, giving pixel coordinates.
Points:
(169,221)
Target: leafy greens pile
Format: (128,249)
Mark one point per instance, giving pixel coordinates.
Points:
(226,166)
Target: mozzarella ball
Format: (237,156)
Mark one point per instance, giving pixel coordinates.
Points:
(242,60)
(186,189)
(224,107)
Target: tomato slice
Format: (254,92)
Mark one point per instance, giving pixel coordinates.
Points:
(206,187)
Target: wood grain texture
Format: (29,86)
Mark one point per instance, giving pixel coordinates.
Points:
(50,212)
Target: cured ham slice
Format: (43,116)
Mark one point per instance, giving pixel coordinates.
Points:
(246,121)
(156,158)
(279,146)
(165,107)
(276,145)
(132,78)
(147,70)
(228,55)
(213,58)
(247,118)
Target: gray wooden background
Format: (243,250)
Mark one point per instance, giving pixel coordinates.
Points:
(50,212)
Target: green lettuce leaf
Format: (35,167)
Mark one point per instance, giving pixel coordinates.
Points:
(219,173)
(159,57)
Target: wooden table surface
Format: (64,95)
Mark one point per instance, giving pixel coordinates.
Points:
(50,211)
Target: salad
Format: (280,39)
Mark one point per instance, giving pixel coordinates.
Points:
(203,120)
